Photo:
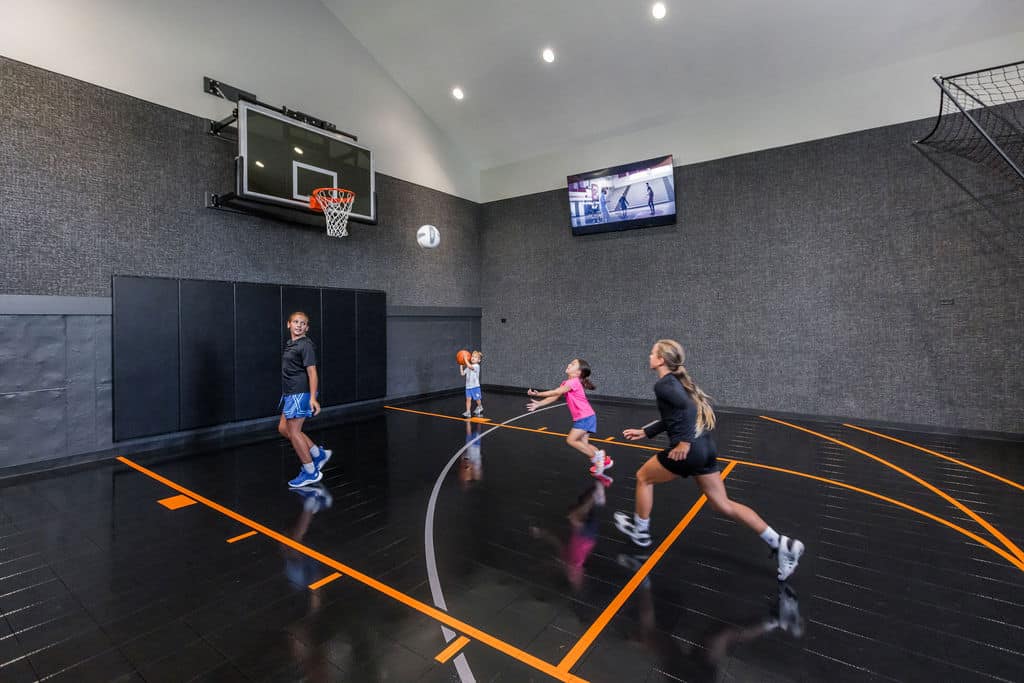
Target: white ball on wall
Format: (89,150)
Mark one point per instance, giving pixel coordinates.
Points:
(428,236)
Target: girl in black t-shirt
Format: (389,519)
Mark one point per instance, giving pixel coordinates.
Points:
(299,400)
(687,416)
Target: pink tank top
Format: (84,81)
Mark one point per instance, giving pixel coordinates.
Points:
(579,406)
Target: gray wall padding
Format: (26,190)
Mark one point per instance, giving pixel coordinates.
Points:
(55,376)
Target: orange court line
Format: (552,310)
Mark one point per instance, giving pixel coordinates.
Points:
(449,652)
(969,534)
(395,594)
(239,537)
(324,581)
(938,455)
(974,537)
(613,607)
(541,430)
(176,502)
(1010,545)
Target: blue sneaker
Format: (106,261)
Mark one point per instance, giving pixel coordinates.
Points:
(321,459)
(305,479)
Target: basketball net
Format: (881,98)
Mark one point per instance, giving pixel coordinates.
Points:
(336,205)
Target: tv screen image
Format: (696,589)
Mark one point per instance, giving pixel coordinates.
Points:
(637,195)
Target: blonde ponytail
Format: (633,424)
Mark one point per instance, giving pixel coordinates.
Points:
(673,354)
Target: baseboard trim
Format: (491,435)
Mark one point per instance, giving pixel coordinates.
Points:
(167,447)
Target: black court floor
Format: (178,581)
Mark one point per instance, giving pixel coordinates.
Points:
(439,549)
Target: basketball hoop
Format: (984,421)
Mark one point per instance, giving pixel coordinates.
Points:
(336,205)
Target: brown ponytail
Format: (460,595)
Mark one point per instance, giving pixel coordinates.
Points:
(585,374)
(673,354)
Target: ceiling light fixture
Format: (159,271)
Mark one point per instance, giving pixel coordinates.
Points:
(658,10)
(548,55)
(457,93)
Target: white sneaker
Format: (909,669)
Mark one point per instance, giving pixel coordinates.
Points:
(601,462)
(479,410)
(624,523)
(467,414)
(789,553)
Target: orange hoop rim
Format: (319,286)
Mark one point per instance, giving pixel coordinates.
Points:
(329,195)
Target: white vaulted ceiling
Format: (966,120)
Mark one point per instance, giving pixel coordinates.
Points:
(617,69)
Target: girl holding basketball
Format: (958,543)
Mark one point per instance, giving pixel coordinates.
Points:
(584,420)
(299,400)
(687,416)
(470,369)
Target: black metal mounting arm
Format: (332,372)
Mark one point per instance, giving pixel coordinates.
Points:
(214,87)
(228,92)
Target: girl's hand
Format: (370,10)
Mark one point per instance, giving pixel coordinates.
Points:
(532,392)
(315,405)
(679,451)
(532,405)
(634,434)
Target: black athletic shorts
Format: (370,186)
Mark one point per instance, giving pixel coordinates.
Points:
(702,458)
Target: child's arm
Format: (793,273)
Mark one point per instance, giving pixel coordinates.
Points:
(462,370)
(552,396)
(533,405)
(550,392)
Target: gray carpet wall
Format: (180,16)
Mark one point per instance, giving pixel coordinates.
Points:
(94,182)
(858,276)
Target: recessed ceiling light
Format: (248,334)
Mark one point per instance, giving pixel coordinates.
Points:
(259,163)
(658,10)
(548,55)
(457,93)
(298,150)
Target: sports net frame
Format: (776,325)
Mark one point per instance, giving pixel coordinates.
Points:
(981,117)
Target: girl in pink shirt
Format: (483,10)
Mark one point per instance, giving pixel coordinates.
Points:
(584,421)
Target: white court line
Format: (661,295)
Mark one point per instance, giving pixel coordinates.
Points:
(461,665)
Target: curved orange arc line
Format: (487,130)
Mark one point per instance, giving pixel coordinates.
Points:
(1010,545)
(969,534)
(938,455)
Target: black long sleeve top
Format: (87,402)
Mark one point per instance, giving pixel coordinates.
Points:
(678,412)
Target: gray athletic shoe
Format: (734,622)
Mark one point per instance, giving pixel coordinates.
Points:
(624,523)
(790,550)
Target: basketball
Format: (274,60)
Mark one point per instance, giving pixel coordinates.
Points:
(462,357)
(428,236)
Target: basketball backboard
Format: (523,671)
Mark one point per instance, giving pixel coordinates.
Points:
(282,160)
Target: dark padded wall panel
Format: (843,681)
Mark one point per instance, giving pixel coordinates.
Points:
(258,325)
(371,352)
(207,353)
(338,354)
(145,352)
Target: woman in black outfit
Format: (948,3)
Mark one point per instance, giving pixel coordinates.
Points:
(687,416)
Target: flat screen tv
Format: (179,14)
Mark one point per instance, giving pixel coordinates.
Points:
(637,195)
